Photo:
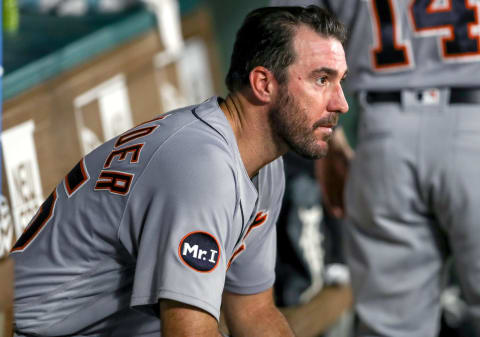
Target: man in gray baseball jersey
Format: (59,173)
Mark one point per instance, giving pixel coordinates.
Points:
(413,198)
(177,216)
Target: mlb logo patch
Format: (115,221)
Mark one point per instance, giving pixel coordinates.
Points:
(430,96)
(199,251)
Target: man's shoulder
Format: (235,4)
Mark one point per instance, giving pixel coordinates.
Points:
(201,124)
(197,146)
(185,134)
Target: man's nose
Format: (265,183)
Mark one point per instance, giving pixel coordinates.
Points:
(338,102)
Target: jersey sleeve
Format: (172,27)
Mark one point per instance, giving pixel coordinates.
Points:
(176,224)
(253,271)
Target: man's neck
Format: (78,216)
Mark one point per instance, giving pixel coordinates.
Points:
(251,126)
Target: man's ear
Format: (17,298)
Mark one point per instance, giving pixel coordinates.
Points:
(263,84)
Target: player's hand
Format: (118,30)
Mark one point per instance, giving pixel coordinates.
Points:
(331,172)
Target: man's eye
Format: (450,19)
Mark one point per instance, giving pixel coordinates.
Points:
(322,80)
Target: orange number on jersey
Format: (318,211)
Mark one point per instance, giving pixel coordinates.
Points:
(452,21)
(259,220)
(389,52)
(43,216)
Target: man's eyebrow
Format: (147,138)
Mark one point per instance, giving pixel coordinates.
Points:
(328,71)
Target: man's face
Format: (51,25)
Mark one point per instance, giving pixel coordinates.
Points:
(309,103)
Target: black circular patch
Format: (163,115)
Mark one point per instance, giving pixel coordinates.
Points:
(200,251)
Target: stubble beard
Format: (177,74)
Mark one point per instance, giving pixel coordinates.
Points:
(289,125)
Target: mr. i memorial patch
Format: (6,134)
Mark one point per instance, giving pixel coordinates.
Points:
(199,251)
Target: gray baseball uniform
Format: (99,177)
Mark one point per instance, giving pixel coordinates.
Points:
(165,210)
(413,195)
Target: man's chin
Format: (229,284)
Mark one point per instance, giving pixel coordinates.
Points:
(317,153)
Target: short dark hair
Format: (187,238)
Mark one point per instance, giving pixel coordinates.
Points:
(265,39)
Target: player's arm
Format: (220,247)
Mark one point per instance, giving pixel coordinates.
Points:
(179,319)
(331,172)
(254,315)
(315,317)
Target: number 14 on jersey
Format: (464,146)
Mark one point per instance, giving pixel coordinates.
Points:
(455,23)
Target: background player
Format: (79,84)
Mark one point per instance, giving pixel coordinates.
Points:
(173,214)
(412,197)
(312,286)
